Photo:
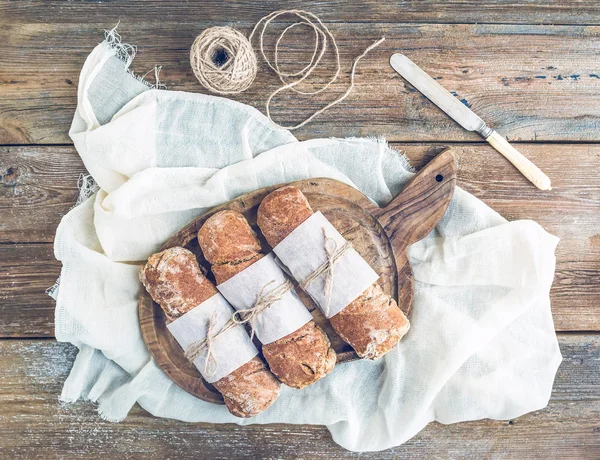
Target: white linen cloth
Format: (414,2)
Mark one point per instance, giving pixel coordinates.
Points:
(482,341)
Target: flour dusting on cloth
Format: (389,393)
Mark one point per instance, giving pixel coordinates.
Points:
(482,342)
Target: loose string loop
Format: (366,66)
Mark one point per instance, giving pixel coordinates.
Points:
(240,68)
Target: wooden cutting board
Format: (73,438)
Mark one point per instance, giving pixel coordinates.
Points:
(380,235)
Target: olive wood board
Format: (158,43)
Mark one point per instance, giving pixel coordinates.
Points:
(380,235)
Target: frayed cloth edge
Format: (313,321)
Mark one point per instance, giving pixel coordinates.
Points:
(126,53)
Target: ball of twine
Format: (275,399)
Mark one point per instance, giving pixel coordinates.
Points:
(223,60)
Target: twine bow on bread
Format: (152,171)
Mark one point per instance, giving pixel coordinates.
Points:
(334,253)
(263,301)
(197,348)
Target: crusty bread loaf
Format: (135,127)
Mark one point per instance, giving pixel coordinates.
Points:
(230,245)
(174,280)
(372,324)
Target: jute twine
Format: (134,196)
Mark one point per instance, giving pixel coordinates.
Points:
(197,348)
(249,315)
(334,254)
(223,60)
(263,301)
(239,71)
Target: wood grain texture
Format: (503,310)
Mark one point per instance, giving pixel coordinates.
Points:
(412,214)
(530,68)
(531,82)
(26,271)
(38,185)
(35,178)
(34,424)
(367,11)
(570,211)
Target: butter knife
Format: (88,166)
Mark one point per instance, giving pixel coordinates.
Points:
(465,117)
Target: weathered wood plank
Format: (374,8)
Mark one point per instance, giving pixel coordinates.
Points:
(26,271)
(38,185)
(531,82)
(33,422)
(432,11)
(544,87)
(571,211)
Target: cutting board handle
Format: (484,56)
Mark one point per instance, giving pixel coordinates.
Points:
(415,212)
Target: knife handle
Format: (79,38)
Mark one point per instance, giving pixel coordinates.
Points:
(527,168)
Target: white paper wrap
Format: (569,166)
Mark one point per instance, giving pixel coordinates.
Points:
(283,317)
(231,349)
(303,252)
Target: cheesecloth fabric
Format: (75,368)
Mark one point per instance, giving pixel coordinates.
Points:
(482,342)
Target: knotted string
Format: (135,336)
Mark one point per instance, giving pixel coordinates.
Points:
(263,301)
(197,348)
(334,254)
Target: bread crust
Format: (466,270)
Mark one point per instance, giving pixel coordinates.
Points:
(174,280)
(230,245)
(372,324)
(280,212)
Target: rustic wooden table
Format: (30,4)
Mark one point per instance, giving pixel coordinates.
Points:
(531,68)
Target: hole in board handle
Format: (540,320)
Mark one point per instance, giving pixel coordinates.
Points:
(439,178)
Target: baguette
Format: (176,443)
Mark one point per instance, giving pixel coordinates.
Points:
(174,280)
(230,245)
(372,324)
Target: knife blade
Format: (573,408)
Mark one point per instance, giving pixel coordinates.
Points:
(465,117)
